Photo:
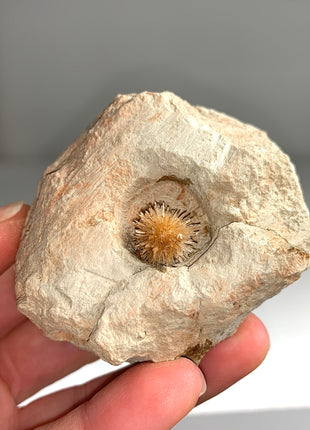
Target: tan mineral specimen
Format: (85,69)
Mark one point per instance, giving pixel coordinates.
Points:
(158,230)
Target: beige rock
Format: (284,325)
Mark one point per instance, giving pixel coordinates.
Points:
(82,272)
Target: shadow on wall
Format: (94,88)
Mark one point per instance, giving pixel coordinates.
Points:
(266,420)
(151,78)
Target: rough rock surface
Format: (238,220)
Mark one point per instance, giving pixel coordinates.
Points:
(78,275)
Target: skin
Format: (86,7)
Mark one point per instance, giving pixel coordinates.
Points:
(148,396)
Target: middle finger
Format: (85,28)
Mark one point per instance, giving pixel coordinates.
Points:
(30,361)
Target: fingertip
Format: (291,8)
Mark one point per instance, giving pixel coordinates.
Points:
(181,379)
(235,357)
(9,211)
(21,215)
(253,331)
(196,375)
(13,213)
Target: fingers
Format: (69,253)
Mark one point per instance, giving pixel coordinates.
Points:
(12,220)
(30,361)
(153,396)
(226,363)
(235,357)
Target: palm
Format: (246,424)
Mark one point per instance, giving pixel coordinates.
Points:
(146,396)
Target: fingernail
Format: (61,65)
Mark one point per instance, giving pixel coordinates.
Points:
(204,383)
(8,211)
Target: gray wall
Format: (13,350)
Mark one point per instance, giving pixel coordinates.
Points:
(63,61)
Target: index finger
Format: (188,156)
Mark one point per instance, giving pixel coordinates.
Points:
(12,220)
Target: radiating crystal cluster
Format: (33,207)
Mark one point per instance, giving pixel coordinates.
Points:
(164,236)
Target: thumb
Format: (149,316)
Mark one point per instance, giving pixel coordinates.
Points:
(12,220)
(152,396)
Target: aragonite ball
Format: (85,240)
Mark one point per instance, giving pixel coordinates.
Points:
(164,236)
(158,230)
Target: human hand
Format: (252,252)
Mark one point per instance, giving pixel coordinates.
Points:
(148,396)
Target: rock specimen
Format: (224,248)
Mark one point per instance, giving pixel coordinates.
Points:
(158,230)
